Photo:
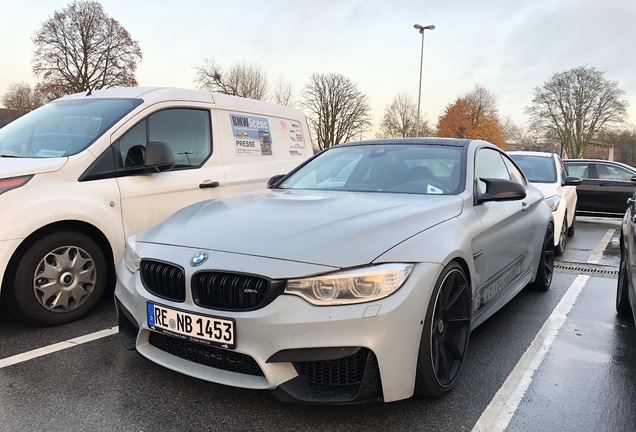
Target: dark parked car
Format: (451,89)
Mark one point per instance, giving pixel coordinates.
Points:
(625,292)
(605,187)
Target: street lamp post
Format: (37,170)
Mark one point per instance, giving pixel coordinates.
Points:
(419,91)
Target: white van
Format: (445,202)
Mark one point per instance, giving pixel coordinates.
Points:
(80,175)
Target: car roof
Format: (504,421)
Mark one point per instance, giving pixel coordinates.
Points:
(627,166)
(454,142)
(531,153)
(593,160)
(152,95)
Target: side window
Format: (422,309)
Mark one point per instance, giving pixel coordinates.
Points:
(515,175)
(613,172)
(578,170)
(186,131)
(562,171)
(490,164)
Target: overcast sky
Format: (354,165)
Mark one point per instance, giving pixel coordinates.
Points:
(508,47)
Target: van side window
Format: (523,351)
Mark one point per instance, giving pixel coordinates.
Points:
(186,131)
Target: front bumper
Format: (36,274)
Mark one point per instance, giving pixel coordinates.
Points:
(334,354)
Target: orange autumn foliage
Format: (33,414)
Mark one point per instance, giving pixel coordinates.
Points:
(467,119)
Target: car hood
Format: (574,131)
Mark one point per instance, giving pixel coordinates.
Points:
(13,167)
(338,229)
(547,189)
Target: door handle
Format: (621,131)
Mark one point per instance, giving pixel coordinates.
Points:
(209,185)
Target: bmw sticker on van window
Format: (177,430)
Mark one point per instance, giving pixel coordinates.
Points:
(296,138)
(252,136)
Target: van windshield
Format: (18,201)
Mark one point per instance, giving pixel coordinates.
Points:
(62,128)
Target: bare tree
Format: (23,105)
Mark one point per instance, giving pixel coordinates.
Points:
(573,106)
(283,94)
(338,111)
(21,98)
(624,142)
(400,118)
(242,79)
(81,48)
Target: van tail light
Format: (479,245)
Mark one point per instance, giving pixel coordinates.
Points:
(14,182)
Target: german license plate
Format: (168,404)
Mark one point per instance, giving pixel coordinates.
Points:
(204,329)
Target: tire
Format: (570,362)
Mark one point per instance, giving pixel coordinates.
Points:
(623,306)
(572,227)
(445,334)
(563,236)
(57,279)
(545,270)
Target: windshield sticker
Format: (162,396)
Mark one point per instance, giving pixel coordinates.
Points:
(297,140)
(44,153)
(432,190)
(252,136)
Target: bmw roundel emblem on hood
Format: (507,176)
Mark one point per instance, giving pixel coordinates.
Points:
(198,259)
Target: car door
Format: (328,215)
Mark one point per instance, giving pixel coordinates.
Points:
(587,191)
(197,175)
(630,239)
(614,187)
(568,193)
(502,250)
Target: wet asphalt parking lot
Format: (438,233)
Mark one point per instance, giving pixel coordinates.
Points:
(555,361)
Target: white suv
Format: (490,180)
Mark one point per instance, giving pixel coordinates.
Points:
(80,175)
(546,172)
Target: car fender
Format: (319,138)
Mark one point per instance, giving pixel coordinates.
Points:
(100,210)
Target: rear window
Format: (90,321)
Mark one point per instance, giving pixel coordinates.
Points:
(537,169)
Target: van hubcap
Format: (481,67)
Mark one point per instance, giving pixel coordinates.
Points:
(64,279)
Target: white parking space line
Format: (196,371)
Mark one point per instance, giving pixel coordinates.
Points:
(499,412)
(19,358)
(598,252)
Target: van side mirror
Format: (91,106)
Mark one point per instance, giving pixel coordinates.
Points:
(271,183)
(159,156)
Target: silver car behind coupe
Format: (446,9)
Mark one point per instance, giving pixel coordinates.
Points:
(358,276)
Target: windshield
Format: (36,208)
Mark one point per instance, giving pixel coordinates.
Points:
(62,128)
(417,168)
(537,169)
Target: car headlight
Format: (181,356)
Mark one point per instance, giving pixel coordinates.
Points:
(553,202)
(351,286)
(131,259)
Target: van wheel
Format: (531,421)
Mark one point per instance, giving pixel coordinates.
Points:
(445,334)
(57,279)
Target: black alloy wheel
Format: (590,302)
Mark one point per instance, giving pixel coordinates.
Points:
(545,269)
(623,307)
(445,334)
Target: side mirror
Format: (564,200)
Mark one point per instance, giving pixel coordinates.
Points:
(273,181)
(634,178)
(572,181)
(159,157)
(501,190)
